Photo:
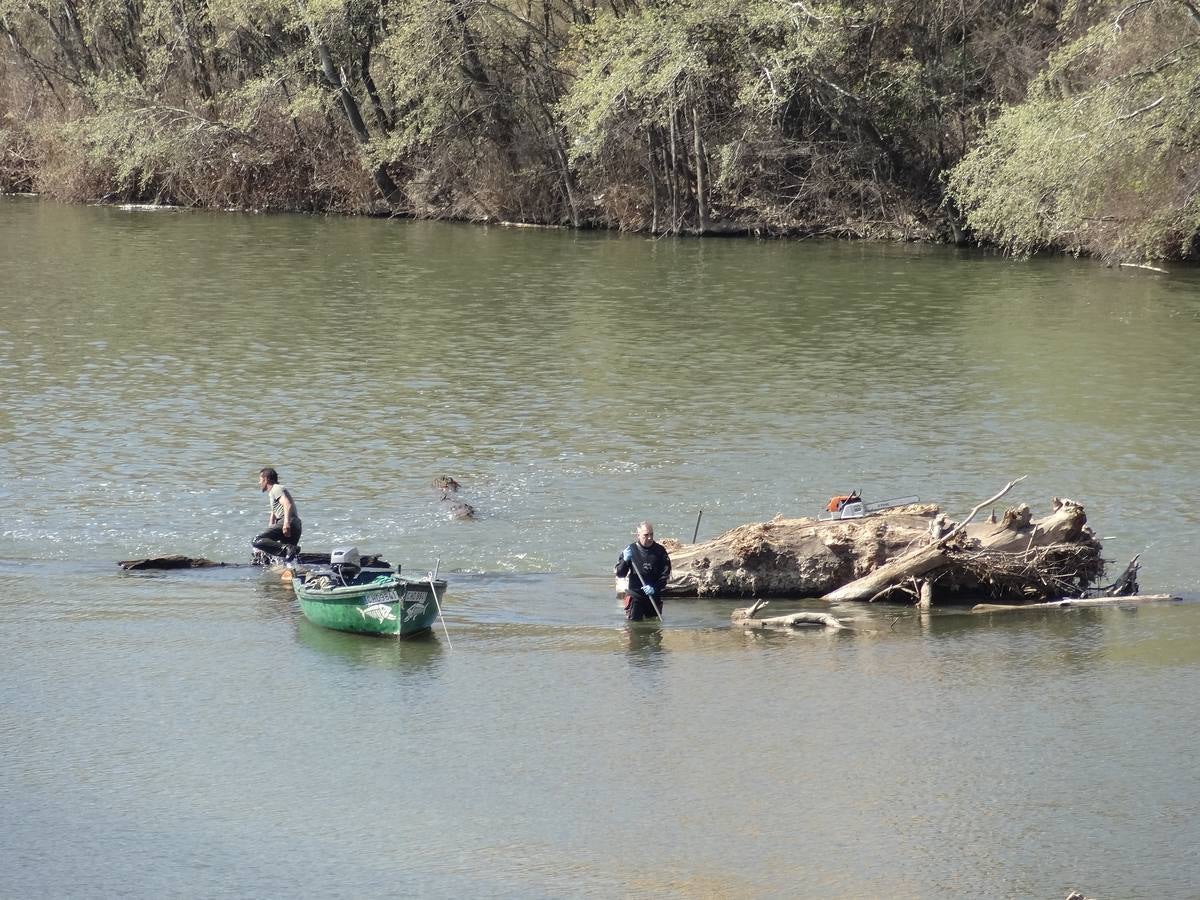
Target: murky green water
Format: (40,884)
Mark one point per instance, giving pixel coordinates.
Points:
(188,734)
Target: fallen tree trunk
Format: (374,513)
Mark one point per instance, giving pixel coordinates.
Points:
(1030,558)
(927,558)
(168,562)
(913,549)
(795,557)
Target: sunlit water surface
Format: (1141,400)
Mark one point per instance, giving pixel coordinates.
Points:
(189,734)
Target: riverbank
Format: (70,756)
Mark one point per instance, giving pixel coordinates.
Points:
(273,188)
(927,122)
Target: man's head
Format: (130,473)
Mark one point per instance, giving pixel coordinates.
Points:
(645,534)
(266,478)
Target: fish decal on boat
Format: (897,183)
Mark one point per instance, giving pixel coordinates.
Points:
(380,612)
(417,609)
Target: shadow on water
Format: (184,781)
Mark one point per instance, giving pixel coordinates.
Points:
(410,654)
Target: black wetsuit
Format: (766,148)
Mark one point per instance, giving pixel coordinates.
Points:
(654,566)
(275,542)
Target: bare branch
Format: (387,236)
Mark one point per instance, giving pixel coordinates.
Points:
(1128,11)
(1193,11)
(944,539)
(1138,112)
(1142,266)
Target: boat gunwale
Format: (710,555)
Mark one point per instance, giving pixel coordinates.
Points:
(347,593)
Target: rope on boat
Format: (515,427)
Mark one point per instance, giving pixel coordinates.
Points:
(433,587)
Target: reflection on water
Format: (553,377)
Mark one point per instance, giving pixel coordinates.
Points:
(412,654)
(644,641)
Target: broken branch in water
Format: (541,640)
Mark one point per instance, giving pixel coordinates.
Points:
(745,619)
(1070,602)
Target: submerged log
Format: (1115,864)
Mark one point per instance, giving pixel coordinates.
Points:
(1073,602)
(914,550)
(168,562)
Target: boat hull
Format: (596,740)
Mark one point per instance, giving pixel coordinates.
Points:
(389,605)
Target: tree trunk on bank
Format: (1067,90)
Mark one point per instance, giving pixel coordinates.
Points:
(701,173)
(336,80)
(675,203)
(651,168)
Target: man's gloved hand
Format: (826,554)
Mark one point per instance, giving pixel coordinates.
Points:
(649,590)
(628,554)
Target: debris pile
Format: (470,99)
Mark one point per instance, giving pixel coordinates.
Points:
(912,553)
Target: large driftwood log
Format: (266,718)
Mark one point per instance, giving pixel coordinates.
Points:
(1017,549)
(795,557)
(924,559)
(913,549)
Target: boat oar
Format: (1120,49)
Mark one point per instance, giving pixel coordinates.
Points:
(433,587)
(650,597)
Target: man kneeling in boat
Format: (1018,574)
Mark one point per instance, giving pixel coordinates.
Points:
(650,566)
(282,537)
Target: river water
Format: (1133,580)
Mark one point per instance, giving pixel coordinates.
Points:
(189,734)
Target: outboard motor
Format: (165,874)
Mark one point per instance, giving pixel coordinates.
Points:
(345,563)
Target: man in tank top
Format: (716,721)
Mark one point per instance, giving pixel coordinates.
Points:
(282,537)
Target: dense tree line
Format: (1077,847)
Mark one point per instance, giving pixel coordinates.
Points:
(1031,125)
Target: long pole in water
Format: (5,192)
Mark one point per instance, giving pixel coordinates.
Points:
(697,531)
(433,587)
(657,608)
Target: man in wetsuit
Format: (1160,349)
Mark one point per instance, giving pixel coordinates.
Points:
(282,537)
(648,567)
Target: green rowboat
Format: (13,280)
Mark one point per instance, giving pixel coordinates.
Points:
(387,604)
